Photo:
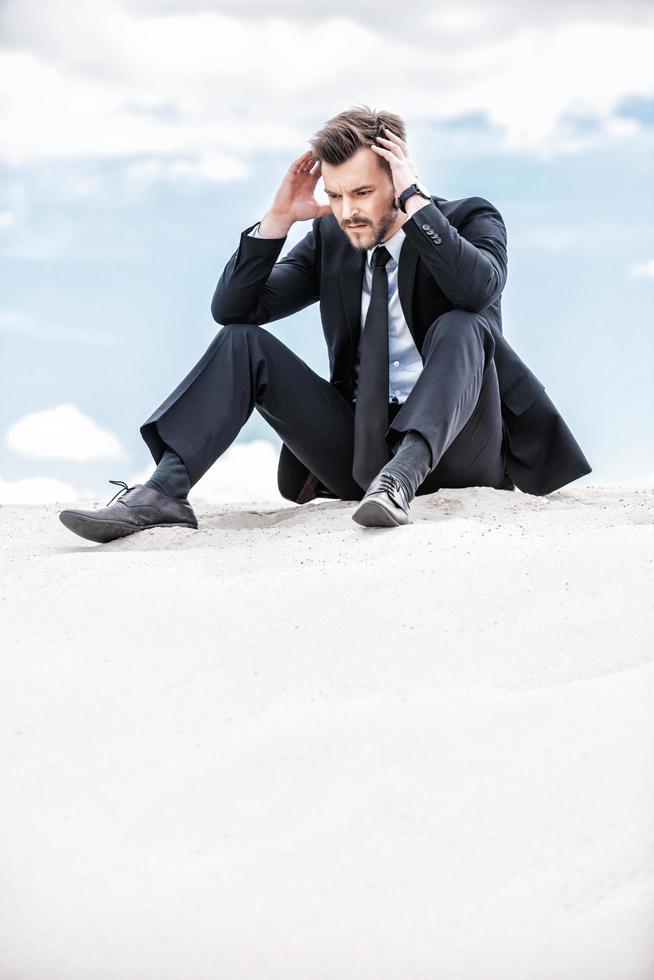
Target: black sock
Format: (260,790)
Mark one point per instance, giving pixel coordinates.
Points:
(171,476)
(411,463)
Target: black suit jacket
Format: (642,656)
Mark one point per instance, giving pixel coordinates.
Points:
(454,257)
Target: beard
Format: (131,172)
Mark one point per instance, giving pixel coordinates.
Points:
(380,230)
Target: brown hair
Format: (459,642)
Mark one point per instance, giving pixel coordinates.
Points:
(341,137)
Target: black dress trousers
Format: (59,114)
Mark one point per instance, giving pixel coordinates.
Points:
(454,404)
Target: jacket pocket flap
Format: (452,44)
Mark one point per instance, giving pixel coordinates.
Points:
(518,398)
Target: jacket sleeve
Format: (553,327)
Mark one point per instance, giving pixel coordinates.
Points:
(256,288)
(469,262)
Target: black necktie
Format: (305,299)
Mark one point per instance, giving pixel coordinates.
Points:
(371,409)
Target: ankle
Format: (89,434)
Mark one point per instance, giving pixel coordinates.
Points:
(171,477)
(412,462)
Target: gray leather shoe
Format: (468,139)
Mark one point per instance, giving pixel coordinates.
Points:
(138,507)
(384,504)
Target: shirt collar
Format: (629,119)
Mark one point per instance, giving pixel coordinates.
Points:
(392,245)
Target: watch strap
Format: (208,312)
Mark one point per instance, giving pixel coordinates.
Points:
(409,192)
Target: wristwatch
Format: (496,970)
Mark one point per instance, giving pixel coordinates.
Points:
(409,192)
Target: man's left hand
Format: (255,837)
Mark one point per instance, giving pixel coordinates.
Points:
(396,152)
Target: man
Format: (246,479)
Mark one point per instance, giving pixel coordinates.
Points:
(424,390)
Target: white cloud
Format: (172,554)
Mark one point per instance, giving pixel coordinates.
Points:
(469,16)
(63,432)
(37,490)
(642,270)
(247,471)
(180,90)
(207,166)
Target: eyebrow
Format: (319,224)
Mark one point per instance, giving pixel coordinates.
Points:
(364,187)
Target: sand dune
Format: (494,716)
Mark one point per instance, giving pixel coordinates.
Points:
(284,746)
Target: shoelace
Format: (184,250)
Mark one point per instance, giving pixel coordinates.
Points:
(386,481)
(119,483)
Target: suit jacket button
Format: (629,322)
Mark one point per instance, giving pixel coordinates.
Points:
(438,240)
(425,227)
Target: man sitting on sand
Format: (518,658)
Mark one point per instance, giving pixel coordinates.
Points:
(424,390)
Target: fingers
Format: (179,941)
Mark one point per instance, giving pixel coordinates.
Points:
(397,147)
(302,157)
(299,163)
(392,137)
(310,167)
(389,155)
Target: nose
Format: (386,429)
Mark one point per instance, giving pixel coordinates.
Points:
(349,213)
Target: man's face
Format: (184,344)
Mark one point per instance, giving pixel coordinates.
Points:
(361,196)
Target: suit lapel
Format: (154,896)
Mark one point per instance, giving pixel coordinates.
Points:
(352,268)
(406,277)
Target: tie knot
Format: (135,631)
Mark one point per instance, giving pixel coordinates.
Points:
(380,256)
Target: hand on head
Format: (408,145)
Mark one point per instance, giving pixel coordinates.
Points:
(295,197)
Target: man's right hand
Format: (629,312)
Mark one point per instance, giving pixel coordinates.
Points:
(294,200)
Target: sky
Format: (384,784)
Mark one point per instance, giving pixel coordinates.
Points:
(138,139)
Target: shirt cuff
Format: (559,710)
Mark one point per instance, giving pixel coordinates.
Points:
(255,232)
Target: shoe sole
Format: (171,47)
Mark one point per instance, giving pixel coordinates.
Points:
(104,531)
(371,513)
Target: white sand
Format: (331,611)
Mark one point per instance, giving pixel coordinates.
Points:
(284,747)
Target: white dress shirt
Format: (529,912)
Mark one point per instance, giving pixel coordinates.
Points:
(404,361)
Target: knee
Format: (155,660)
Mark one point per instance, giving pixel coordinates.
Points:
(236,331)
(249,335)
(460,324)
(460,320)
